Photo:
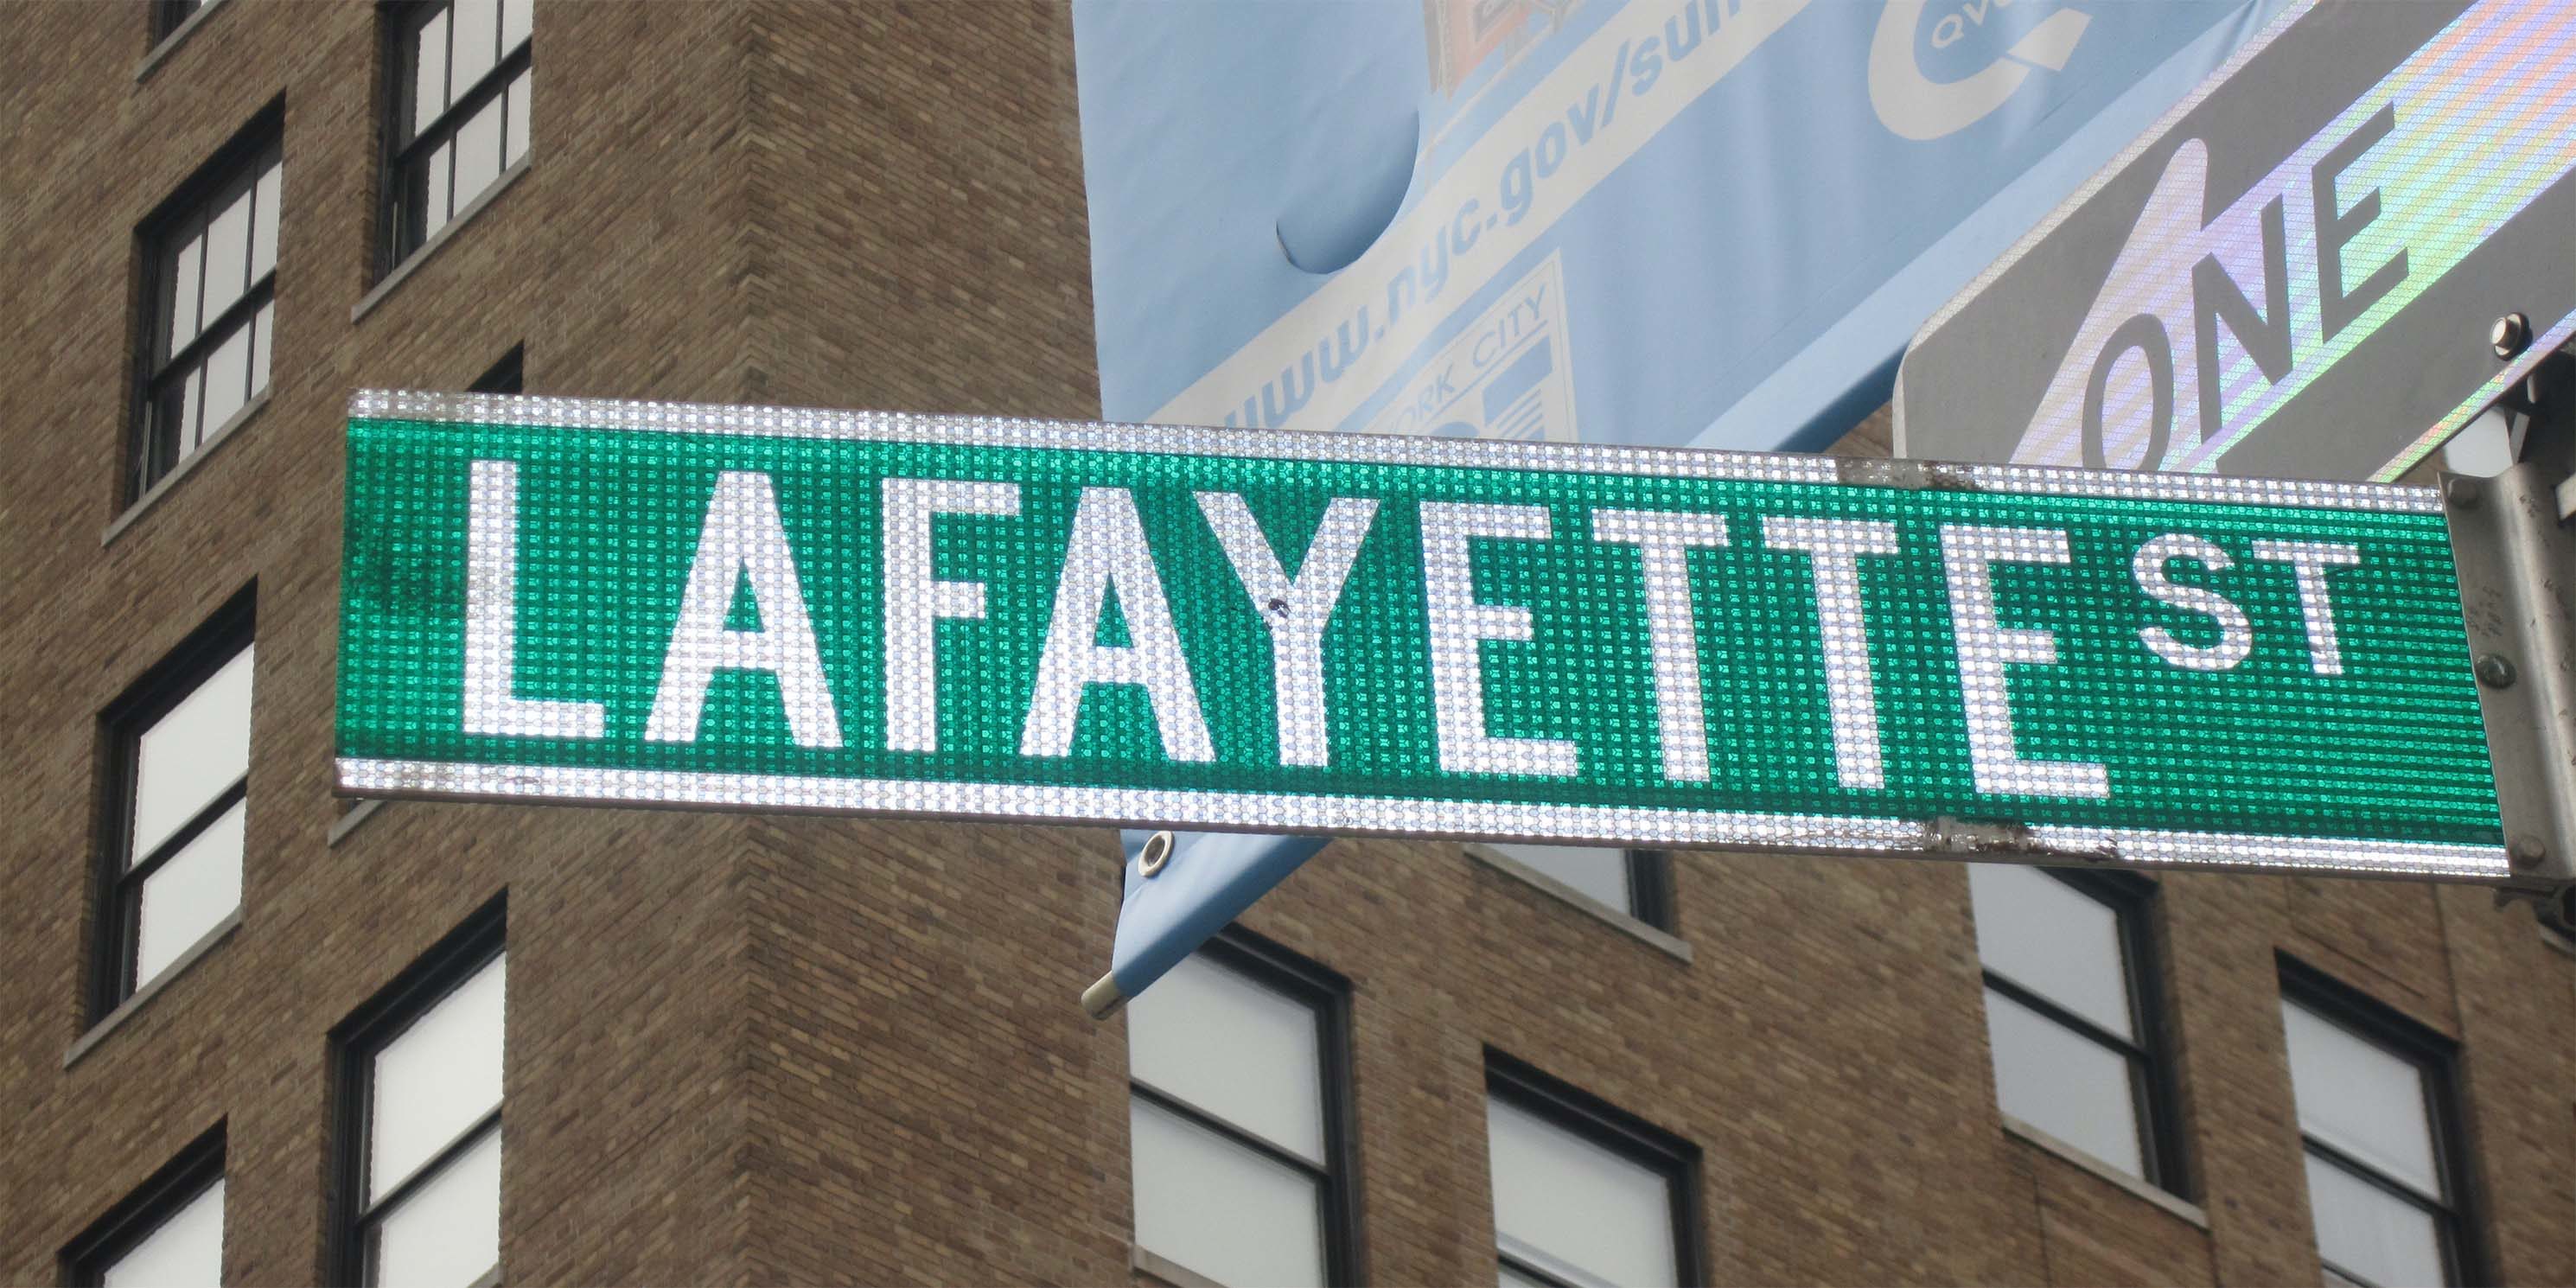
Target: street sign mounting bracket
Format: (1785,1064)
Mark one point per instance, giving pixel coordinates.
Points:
(2517,569)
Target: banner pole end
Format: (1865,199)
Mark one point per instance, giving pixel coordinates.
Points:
(1102,999)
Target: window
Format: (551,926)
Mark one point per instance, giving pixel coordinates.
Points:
(507,376)
(2069,981)
(1585,1196)
(212,302)
(179,747)
(167,1234)
(169,15)
(459,102)
(421,1117)
(2377,1118)
(1239,1073)
(1636,882)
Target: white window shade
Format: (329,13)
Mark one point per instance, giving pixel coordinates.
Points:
(185,1251)
(447,1232)
(1575,1210)
(263,239)
(514,141)
(2050,938)
(1233,1049)
(227,256)
(191,755)
(190,893)
(2076,1090)
(2369,1087)
(1220,1209)
(437,1079)
(187,274)
(2361,1099)
(477,44)
(1237,1171)
(2369,1232)
(429,73)
(226,384)
(478,150)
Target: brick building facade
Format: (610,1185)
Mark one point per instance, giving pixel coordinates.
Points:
(761,1049)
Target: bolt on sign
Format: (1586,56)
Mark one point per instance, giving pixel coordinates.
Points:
(641,603)
(2299,273)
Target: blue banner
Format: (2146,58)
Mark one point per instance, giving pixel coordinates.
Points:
(1206,880)
(1658,221)
(1672,222)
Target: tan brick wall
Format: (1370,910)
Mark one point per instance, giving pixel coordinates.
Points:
(624,1076)
(795,1049)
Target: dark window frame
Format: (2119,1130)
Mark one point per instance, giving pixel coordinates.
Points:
(402,205)
(1564,1105)
(354,1043)
(152,448)
(2154,1093)
(140,1214)
(168,16)
(1650,888)
(507,375)
(116,930)
(1329,996)
(2438,1059)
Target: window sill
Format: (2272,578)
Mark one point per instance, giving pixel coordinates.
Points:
(152,988)
(347,823)
(438,240)
(178,36)
(161,486)
(2047,1143)
(1166,1270)
(1660,940)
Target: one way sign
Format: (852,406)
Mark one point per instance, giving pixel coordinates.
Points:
(2304,272)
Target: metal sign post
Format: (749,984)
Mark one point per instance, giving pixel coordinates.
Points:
(2298,273)
(647,604)
(2516,555)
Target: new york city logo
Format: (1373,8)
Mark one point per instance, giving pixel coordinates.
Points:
(1914,106)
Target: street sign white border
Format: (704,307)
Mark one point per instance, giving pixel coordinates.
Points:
(1369,449)
(1461,820)
(1468,820)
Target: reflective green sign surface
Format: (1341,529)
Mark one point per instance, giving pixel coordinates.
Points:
(743,607)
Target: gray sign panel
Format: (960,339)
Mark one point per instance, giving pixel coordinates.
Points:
(2295,275)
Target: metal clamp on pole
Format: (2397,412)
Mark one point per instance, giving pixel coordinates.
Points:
(2516,558)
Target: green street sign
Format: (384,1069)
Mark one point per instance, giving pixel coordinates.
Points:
(639,603)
